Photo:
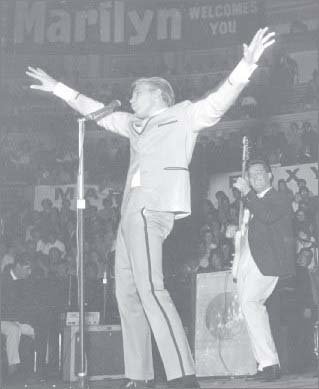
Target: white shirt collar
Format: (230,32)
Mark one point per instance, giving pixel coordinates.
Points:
(153,114)
(159,111)
(140,123)
(262,194)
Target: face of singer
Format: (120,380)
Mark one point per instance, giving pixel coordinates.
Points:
(146,100)
(259,178)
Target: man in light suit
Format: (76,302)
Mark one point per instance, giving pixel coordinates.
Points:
(267,254)
(162,138)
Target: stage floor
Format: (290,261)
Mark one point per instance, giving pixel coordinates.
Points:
(289,381)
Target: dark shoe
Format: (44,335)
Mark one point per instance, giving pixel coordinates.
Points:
(255,377)
(12,369)
(136,384)
(271,373)
(188,381)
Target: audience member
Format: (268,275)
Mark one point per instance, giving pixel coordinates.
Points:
(66,214)
(9,257)
(237,199)
(283,187)
(306,240)
(312,93)
(49,241)
(15,318)
(301,320)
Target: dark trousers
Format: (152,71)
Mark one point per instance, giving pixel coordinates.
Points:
(300,342)
(277,306)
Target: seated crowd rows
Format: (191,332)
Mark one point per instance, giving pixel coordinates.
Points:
(42,255)
(36,163)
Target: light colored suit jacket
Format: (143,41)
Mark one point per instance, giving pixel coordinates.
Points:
(162,149)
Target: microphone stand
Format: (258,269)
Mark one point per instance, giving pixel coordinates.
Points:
(69,303)
(97,115)
(0,332)
(105,287)
(82,374)
(316,327)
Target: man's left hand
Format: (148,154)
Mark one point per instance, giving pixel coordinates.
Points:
(257,46)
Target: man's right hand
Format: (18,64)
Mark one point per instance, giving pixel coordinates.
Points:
(48,83)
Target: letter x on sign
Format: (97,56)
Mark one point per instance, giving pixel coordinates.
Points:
(292,175)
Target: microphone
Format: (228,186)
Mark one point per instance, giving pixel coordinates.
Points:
(104,111)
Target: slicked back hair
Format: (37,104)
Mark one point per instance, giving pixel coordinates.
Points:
(163,85)
(265,165)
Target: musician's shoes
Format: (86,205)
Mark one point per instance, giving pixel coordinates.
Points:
(137,384)
(270,373)
(188,381)
(255,377)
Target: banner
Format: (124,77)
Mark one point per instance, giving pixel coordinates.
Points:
(56,193)
(119,26)
(291,174)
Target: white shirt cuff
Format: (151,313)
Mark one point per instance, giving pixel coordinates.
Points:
(136,179)
(64,92)
(242,72)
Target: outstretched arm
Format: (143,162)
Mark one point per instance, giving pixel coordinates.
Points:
(80,103)
(208,111)
(117,122)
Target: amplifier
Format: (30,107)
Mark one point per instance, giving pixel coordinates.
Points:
(103,350)
(222,344)
(72,318)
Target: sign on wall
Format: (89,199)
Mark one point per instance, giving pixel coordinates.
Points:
(120,26)
(291,174)
(57,192)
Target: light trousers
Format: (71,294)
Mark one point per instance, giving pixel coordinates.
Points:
(144,304)
(253,290)
(13,331)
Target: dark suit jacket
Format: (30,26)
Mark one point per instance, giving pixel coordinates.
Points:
(303,290)
(270,233)
(26,301)
(12,293)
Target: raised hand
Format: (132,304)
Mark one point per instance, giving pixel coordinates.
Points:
(242,185)
(257,46)
(47,83)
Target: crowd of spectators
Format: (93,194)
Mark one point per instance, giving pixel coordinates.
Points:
(289,144)
(49,236)
(264,96)
(46,240)
(55,163)
(30,160)
(275,89)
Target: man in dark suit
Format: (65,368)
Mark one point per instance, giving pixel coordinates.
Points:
(301,317)
(24,310)
(162,137)
(11,327)
(266,254)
